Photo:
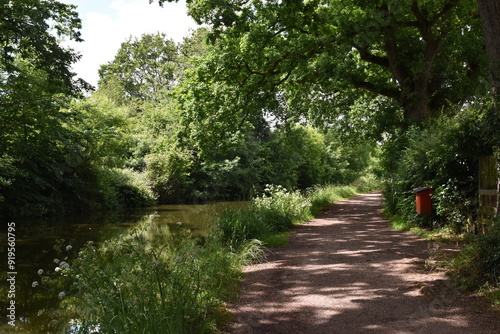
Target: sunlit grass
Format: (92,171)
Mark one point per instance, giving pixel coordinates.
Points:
(323,196)
(400,224)
(277,239)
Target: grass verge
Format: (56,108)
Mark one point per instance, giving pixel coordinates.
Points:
(477,267)
(474,263)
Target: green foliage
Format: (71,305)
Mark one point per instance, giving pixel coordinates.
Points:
(37,142)
(123,188)
(383,62)
(296,157)
(149,281)
(235,227)
(271,215)
(300,156)
(168,173)
(30,31)
(276,239)
(445,155)
(479,263)
(41,162)
(282,208)
(322,196)
(232,170)
(152,280)
(274,212)
(144,69)
(134,140)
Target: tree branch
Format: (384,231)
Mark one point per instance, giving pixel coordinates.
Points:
(392,93)
(367,56)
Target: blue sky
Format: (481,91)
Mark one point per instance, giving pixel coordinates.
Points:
(108,23)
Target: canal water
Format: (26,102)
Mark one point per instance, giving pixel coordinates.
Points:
(38,244)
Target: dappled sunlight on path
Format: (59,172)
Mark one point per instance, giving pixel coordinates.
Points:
(348,272)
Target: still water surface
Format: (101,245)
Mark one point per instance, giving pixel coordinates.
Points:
(39,243)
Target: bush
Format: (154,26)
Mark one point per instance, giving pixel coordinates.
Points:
(479,263)
(444,155)
(274,212)
(147,282)
(281,208)
(322,196)
(123,188)
(168,175)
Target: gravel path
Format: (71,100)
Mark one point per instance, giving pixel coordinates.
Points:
(348,272)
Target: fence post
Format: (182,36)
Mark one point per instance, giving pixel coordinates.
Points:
(489,190)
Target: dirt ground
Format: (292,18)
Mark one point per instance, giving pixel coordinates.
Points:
(348,272)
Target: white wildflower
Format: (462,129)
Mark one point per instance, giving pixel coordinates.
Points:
(62,295)
(34,284)
(64,265)
(68,248)
(179,223)
(57,269)
(40,272)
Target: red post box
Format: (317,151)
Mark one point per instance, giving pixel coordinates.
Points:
(423,201)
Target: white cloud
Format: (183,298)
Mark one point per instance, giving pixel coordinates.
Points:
(104,32)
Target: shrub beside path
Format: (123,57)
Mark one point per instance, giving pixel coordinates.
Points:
(348,272)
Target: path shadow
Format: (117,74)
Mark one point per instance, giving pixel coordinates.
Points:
(347,272)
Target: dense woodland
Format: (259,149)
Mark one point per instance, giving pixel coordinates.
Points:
(296,93)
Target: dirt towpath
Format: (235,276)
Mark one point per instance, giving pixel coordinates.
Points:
(348,272)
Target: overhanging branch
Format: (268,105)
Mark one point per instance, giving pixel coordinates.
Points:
(392,93)
(371,58)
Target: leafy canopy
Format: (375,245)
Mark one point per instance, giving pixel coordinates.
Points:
(143,69)
(320,57)
(31,30)
(38,149)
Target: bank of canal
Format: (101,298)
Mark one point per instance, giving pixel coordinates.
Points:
(39,243)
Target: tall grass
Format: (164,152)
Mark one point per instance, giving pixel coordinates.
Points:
(477,267)
(323,196)
(152,283)
(275,211)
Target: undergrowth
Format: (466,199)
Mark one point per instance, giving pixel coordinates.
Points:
(476,269)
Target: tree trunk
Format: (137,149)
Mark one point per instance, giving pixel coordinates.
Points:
(416,107)
(489,10)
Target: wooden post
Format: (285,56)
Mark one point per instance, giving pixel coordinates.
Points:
(497,162)
(488,191)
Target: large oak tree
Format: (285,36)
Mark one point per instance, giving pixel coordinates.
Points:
(418,57)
